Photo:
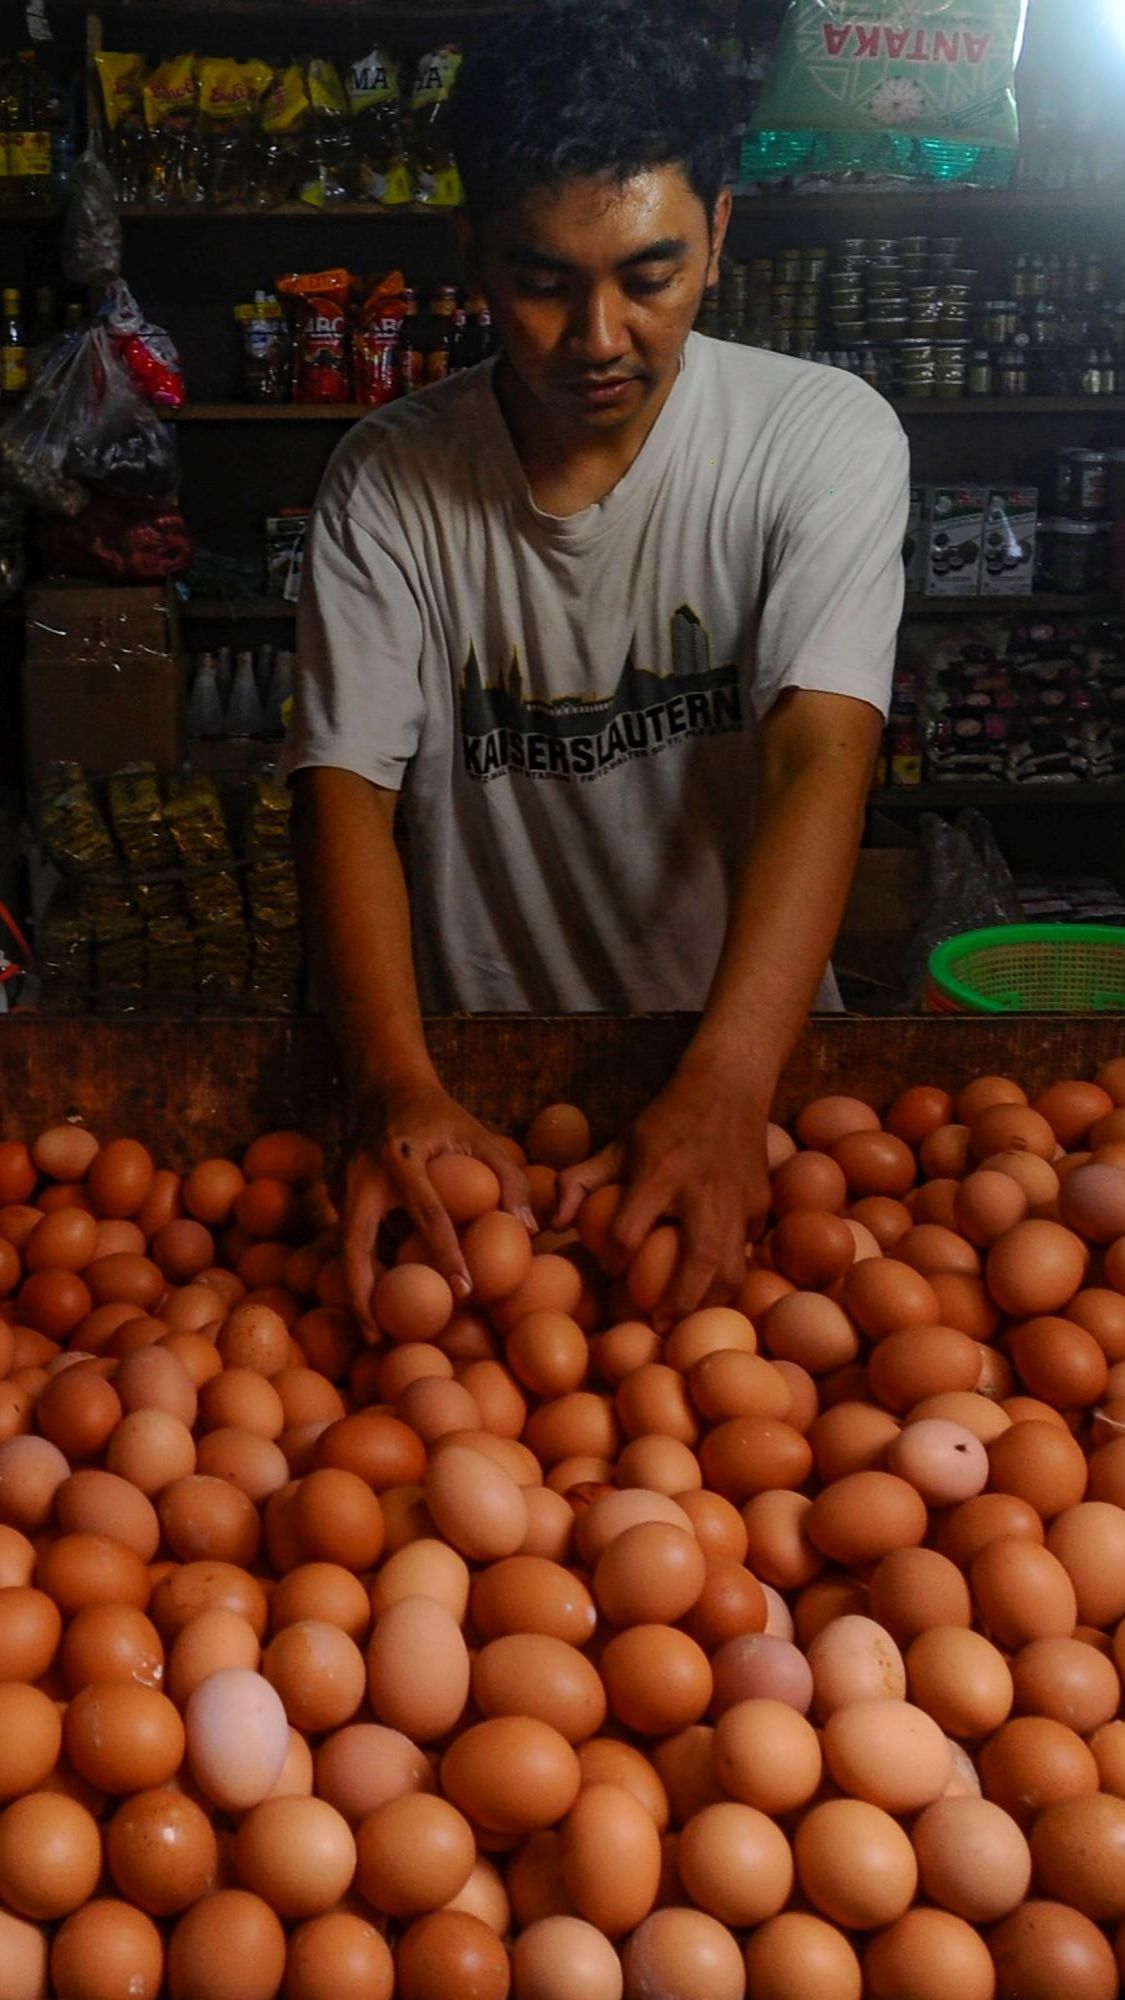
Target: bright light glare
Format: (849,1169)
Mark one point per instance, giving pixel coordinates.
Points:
(1114,12)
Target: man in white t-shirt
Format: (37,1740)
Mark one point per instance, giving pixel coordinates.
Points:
(616,614)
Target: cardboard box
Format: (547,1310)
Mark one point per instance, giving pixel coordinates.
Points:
(103,681)
(1011,521)
(955,538)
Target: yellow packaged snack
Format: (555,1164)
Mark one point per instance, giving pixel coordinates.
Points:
(436,179)
(121,80)
(175,150)
(374,99)
(229,95)
(326,154)
(284,109)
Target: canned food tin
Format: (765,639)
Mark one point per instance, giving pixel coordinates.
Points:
(1082,484)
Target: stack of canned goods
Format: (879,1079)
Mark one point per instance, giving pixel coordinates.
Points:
(1075,554)
(910,297)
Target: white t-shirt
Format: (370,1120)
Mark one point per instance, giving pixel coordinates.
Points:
(569,705)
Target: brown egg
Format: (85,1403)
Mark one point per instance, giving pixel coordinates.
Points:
(653,1401)
(254,1337)
(565,1958)
(735,1863)
(1033,1760)
(449,1950)
(203,1517)
(108,1948)
(298,1854)
(658,1680)
(960,1680)
(418,1668)
(528,1673)
(30,1630)
(30,1738)
(149,1448)
(923,1361)
(875,1163)
(767,1755)
(812,1249)
(64,1152)
(161,1851)
(512,1774)
(830,1596)
(748,1455)
(650,1272)
(532,1594)
(935,1952)
(615,1353)
(861,1517)
(123,1737)
(1022,1593)
(855,1864)
(1102,1313)
(203,1586)
(1059,1362)
(1067,1680)
(827,1119)
(810,1329)
(883,1296)
(50,1856)
(1108,1746)
(884,1219)
(913,1590)
(810,1180)
(54,1302)
(111,1642)
(251,1463)
(972,1858)
(944,1153)
(849,1438)
(611,1857)
(1036,1268)
(796,1954)
(80,1569)
(553,1284)
(214,1640)
(1044,1948)
(228,1946)
(318,1672)
(988,1517)
(1077,1847)
(651,1574)
(1041,1463)
(685,1763)
(497,1251)
(1089,1541)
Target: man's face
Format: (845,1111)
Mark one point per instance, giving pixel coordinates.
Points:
(594,288)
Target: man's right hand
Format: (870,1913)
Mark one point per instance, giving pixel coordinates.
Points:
(388,1169)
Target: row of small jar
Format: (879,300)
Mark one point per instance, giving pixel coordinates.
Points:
(1042,323)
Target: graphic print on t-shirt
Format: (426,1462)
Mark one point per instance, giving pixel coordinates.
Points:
(582,737)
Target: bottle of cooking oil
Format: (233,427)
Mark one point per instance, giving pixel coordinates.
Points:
(13,349)
(25,120)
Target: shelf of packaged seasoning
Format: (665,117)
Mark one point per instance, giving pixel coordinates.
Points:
(222,609)
(1009,406)
(959,205)
(954,794)
(257,413)
(1045,605)
(289,211)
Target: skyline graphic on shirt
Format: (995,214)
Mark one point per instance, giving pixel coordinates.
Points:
(579,738)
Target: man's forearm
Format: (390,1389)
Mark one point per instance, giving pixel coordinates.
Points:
(358,921)
(792,894)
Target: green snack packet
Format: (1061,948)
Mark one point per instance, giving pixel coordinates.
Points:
(896,89)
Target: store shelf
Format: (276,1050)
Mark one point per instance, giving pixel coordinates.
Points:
(222,610)
(950,797)
(962,206)
(258,413)
(1044,606)
(1011,406)
(290,211)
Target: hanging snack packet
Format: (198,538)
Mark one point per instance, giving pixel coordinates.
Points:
(326,154)
(175,153)
(919,90)
(373,98)
(229,95)
(436,179)
(122,86)
(284,110)
(375,341)
(319,304)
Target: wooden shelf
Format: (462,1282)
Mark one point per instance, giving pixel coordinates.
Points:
(1010,406)
(965,406)
(222,609)
(259,413)
(1046,605)
(951,796)
(963,206)
(291,211)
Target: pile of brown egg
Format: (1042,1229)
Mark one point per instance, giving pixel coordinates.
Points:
(526,1651)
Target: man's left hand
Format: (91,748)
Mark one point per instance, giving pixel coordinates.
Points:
(696,1154)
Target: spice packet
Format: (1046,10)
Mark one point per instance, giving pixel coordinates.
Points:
(375,341)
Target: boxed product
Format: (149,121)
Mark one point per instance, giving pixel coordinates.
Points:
(1008,561)
(914,547)
(102,678)
(955,521)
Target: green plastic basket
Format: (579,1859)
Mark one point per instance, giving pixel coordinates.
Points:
(1030,969)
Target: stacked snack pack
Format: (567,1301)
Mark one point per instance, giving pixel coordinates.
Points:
(211,131)
(333,337)
(161,906)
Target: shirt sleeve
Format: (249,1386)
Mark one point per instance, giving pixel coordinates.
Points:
(358,702)
(835,577)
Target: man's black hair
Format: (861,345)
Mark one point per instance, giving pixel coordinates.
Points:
(588,92)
